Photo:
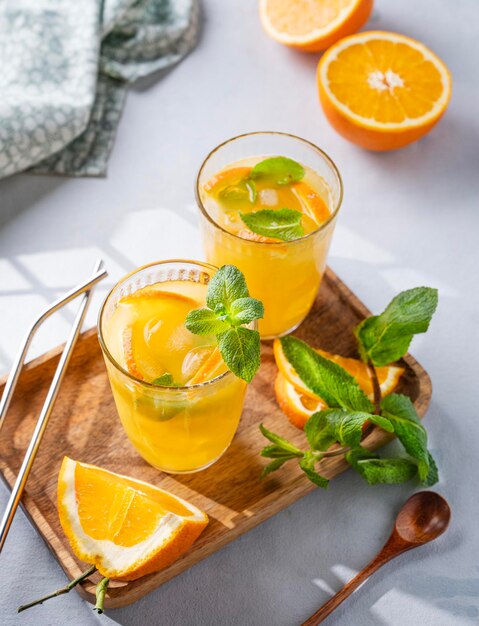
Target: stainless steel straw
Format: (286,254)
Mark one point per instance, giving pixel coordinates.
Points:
(32,449)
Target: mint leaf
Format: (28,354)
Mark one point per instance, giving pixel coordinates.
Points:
(280,441)
(205,322)
(245,310)
(433,475)
(380,471)
(274,452)
(385,338)
(284,224)
(307,465)
(340,425)
(165,380)
(275,465)
(240,349)
(226,286)
(237,195)
(326,379)
(279,170)
(400,411)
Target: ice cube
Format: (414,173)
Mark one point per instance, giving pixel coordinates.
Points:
(194,359)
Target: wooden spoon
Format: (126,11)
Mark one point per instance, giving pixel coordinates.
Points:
(424,517)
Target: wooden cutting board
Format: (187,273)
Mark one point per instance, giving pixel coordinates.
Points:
(84,425)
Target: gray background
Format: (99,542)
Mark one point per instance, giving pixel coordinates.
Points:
(409,218)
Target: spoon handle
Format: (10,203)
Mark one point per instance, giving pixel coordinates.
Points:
(387,553)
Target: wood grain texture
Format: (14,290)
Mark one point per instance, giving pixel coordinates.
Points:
(84,425)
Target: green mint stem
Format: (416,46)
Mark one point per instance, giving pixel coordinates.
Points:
(61,591)
(376,388)
(100,595)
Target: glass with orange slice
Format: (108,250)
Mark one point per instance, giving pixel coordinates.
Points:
(284,274)
(177,400)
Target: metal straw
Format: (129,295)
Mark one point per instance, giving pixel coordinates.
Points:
(32,449)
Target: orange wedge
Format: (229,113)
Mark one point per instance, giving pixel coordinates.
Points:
(126,527)
(313,205)
(382,90)
(232,176)
(211,368)
(295,405)
(388,375)
(312,25)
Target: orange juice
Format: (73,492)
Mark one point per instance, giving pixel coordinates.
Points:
(178,402)
(285,275)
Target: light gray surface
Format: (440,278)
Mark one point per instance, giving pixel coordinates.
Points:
(409,218)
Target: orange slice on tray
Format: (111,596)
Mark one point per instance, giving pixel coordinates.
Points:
(311,25)
(382,90)
(388,375)
(295,405)
(126,527)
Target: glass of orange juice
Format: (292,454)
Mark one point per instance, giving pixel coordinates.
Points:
(285,275)
(178,402)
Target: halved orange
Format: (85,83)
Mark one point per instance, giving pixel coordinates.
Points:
(388,375)
(313,204)
(382,90)
(295,405)
(312,25)
(126,527)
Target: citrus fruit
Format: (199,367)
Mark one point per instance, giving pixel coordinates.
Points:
(126,527)
(213,366)
(295,405)
(231,176)
(388,375)
(312,203)
(382,90)
(311,25)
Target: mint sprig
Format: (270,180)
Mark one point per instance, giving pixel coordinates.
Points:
(229,306)
(284,224)
(381,338)
(386,338)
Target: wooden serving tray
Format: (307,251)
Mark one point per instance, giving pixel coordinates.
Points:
(84,425)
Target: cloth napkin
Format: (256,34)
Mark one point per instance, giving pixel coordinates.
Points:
(65,66)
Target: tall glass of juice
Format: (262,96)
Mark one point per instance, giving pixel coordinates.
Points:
(178,402)
(231,183)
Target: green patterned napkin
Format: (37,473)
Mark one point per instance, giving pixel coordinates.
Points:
(64,70)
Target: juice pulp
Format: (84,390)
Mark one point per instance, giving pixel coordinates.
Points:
(284,275)
(180,429)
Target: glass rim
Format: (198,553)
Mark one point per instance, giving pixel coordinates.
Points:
(318,150)
(114,362)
